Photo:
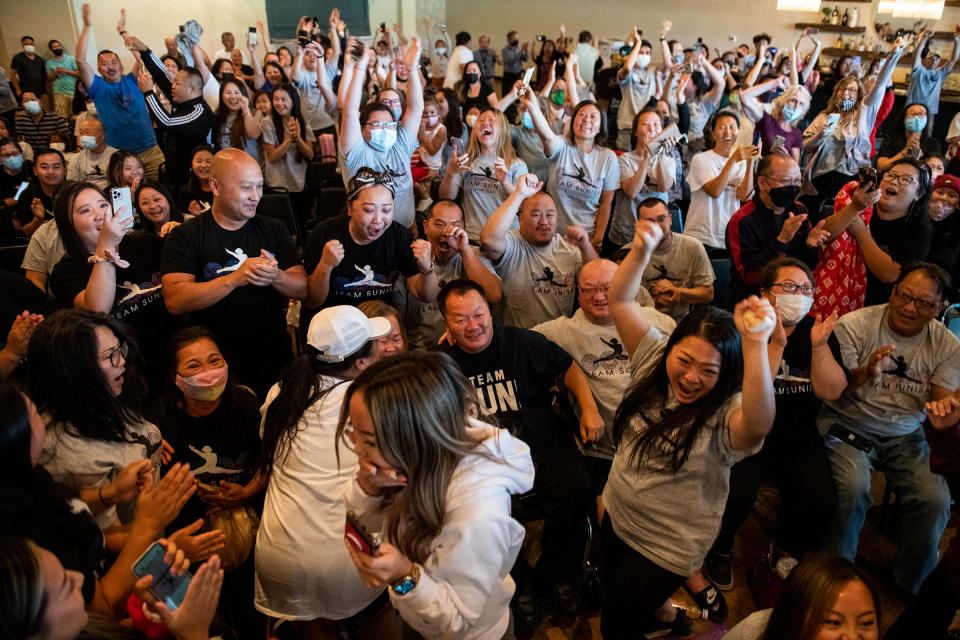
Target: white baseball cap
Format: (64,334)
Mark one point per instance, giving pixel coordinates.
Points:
(339,332)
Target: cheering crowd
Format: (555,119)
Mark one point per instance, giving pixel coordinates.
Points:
(333,322)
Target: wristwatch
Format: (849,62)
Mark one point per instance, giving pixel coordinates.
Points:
(407,583)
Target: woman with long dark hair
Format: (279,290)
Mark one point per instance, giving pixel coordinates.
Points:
(908,139)
(233,123)
(679,429)
(108,270)
(157,209)
(319,591)
(196,197)
(437,485)
(288,150)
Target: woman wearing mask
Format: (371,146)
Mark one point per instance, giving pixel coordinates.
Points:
(196,197)
(720,179)
(16,170)
(861,262)
(158,212)
(124,170)
(527,143)
(681,425)
(824,597)
(395,342)
(234,126)
(432,136)
(6,131)
(583,174)
(473,91)
(320,592)
(108,270)
(909,140)
(703,100)
(288,150)
(642,175)
(487,173)
(778,127)
(837,142)
(804,358)
(437,485)
(935,163)
(945,239)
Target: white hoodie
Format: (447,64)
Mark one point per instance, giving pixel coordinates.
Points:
(465,586)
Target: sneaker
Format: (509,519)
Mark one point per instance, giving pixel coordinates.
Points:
(680,627)
(712,602)
(719,570)
(526,613)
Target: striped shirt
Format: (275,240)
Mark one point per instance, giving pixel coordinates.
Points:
(37,134)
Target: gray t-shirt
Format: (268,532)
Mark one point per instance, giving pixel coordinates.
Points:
(599,351)
(637,87)
(752,627)
(670,517)
(483,193)
(87,166)
(891,405)
(624,217)
(291,172)
(925,86)
(529,148)
(685,264)
(539,283)
(422,319)
(312,104)
(577,181)
(396,161)
(700,111)
(45,249)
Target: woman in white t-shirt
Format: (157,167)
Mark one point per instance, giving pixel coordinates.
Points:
(720,178)
(303,572)
(679,429)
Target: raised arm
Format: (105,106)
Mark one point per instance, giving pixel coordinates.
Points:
(808,69)
(750,424)
(628,315)
(875,96)
(665,27)
(755,71)
(350,134)
(827,377)
(493,237)
(199,61)
(920,44)
(572,96)
(624,71)
(101,288)
(323,82)
(87,74)
(953,59)
(794,79)
(334,33)
(748,99)
(414,111)
(716,80)
(551,141)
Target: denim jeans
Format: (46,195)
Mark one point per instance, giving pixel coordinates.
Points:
(924,495)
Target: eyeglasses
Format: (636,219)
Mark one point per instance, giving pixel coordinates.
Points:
(922,305)
(4,156)
(659,219)
(116,356)
(793,287)
(382,125)
(395,102)
(592,291)
(901,179)
(795,182)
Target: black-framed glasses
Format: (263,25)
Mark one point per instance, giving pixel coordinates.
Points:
(921,304)
(116,356)
(793,287)
(901,179)
(4,156)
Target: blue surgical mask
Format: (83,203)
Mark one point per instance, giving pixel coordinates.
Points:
(88,142)
(527,120)
(846,104)
(14,162)
(678,58)
(383,139)
(791,112)
(32,107)
(396,112)
(915,124)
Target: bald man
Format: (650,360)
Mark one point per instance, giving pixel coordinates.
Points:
(90,165)
(591,338)
(234,272)
(190,120)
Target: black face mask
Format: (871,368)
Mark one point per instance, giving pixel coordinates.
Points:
(784,196)
(57,52)
(226,76)
(514,43)
(472,77)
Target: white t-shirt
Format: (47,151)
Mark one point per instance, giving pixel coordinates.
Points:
(303,570)
(224,54)
(291,172)
(707,217)
(461,56)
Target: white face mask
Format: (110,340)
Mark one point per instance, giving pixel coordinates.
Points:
(29,48)
(643,61)
(440,50)
(471,120)
(59,146)
(793,307)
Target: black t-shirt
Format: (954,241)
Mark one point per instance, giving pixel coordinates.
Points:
(10,183)
(895,142)
(31,74)
(250,322)
(138,300)
(479,101)
(24,204)
(945,248)
(220,447)
(794,428)
(513,376)
(367,271)
(17,294)
(186,195)
(905,239)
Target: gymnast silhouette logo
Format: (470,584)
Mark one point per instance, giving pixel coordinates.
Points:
(368,279)
(662,274)
(549,278)
(135,290)
(237,255)
(591,363)
(97,171)
(210,462)
(900,369)
(580,176)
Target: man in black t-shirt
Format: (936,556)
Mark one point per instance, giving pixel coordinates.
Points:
(512,370)
(360,256)
(234,272)
(36,202)
(30,70)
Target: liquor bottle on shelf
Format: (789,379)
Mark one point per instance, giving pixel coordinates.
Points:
(835,16)
(845,21)
(863,44)
(855,17)
(839,44)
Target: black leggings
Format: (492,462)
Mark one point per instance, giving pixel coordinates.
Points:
(634,589)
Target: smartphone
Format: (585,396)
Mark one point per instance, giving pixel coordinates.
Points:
(121,198)
(778,141)
(772,50)
(832,120)
(527,76)
(252,37)
(166,587)
(181,29)
(541,38)
(303,38)
(671,131)
(358,536)
(856,441)
(23,187)
(457,145)
(856,60)
(868,178)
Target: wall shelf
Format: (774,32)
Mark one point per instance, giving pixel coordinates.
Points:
(831,28)
(833,52)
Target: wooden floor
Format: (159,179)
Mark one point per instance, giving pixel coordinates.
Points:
(877,549)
